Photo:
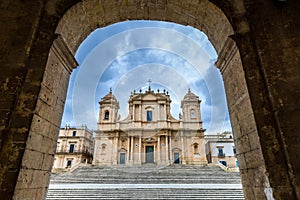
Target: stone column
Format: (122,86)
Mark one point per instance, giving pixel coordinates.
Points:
(159,113)
(133,113)
(79,148)
(140,111)
(170,150)
(131,150)
(182,149)
(128,150)
(158,149)
(167,150)
(140,150)
(154,157)
(115,161)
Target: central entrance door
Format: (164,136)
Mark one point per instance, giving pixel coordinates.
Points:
(122,158)
(149,154)
(176,158)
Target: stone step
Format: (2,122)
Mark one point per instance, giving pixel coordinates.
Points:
(144,193)
(141,181)
(146,182)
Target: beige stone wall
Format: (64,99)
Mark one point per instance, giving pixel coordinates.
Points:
(230,160)
(195,156)
(112,151)
(249,152)
(39,152)
(104,151)
(159,132)
(60,161)
(83,147)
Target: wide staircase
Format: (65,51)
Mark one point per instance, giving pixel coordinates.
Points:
(146,182)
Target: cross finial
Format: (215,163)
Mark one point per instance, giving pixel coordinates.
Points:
(149,81)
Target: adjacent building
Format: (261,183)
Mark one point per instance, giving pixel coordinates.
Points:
(74,146)
(149,134)
(220,148)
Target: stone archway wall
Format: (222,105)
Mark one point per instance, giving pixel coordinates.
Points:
(85,17)
(264,139)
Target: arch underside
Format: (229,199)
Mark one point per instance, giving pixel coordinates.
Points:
(85,17)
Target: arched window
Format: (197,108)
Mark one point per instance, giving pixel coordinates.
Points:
(196,151)
(193,113)
(106,114)
(103,147)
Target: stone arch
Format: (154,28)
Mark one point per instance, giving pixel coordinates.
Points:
(84,17)
(259,170)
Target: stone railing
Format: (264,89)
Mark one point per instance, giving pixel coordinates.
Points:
(221,155)
(225,168)
(87,153)
(228,169)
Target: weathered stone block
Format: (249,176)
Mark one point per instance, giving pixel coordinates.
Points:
(32,159)
(34,141)
(248,192)
(254,159)
(25,194)
(94,13)
(25,178)
(49,145)
(254,140)
(242,144)
(40,178)
(47,162)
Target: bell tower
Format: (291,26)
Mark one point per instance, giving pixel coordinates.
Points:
(190,106)
(109,107)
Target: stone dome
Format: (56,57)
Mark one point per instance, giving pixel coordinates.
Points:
(190,96)
(109,96)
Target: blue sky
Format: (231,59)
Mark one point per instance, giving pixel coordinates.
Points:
(125,55)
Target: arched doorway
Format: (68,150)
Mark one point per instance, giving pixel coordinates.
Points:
(259,178)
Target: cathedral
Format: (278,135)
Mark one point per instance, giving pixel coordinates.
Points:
(150,134)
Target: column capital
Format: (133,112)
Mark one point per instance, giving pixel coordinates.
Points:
(225,56)
(62,51)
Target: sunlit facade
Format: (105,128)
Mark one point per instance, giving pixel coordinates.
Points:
(74,147)
(220,149)
(150,134)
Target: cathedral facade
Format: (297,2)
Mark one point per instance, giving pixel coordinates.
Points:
(150,134)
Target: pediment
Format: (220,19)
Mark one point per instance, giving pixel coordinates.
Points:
(149,97)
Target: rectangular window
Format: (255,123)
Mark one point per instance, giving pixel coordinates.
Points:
(71,150)
(149,116)
(74,133)
(69,163)
(220,152)
(234,150)
(106,115)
